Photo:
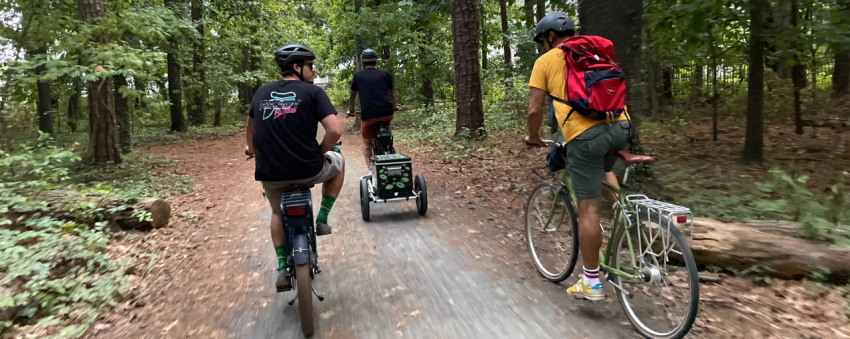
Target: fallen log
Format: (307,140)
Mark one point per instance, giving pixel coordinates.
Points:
(143,214)
(737,246)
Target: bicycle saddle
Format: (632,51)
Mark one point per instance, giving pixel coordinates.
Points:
(633,159)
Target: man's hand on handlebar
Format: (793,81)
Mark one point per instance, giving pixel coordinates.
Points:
(249,152)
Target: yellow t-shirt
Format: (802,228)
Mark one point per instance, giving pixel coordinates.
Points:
(548,75)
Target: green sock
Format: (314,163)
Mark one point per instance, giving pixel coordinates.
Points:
(327,203)
(281,257)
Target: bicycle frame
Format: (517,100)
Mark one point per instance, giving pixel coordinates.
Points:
(621,220)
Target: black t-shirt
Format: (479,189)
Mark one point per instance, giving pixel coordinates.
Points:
(286,115)
(374,87)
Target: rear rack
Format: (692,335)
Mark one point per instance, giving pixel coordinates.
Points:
(643,207)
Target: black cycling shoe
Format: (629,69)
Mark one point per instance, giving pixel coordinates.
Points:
(323,229)
(284,281)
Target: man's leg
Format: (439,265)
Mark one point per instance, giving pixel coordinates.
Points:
(330,191)
(367,153)
(607,193)
(273,194)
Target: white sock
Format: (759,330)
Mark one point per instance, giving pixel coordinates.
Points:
(370,168)
(591,277)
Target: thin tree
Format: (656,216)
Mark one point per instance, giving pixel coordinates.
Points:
(122,114)
(470,109)
(197,114)
(175,89)
(506,44)
(754,142)
(44,105)
(103,136)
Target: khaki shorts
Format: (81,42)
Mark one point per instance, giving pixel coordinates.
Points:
(592,153)
(334,164)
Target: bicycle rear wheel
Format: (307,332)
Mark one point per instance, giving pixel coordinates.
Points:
(551,229)
(304,284)
(664,304)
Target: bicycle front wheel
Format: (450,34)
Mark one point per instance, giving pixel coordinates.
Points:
(551,231)
(662,305)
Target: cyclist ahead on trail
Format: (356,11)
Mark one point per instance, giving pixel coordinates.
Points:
(281,132)
(590,144)
(377,100)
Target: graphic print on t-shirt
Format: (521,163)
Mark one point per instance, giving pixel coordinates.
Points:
(280,104)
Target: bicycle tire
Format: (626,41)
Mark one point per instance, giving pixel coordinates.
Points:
(553,188)
(364,198)
(422,199)
(304,284)
(693,281)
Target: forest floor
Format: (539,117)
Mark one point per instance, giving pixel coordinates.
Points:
(211,274)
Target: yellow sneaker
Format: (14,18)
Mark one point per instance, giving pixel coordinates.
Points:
(581,290)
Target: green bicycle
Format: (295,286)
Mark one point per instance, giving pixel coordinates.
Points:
(647,260)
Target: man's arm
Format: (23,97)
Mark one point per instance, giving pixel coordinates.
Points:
(535,116)
(249,136)
(332,133)
(351,99)
(392,97)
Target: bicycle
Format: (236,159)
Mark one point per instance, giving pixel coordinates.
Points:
(645,250)
(296,205)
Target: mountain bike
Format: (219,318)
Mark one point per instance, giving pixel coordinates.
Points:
(646,259)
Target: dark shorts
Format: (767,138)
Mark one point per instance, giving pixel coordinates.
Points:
(592,153)
(367,131)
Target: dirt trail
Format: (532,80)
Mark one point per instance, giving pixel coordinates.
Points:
(446,275)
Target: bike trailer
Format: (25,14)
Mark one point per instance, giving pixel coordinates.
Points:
(394,176)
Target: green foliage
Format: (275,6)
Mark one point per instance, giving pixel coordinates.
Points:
(820,215)
(60,272)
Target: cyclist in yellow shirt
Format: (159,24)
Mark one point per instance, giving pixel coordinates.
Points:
(591,145)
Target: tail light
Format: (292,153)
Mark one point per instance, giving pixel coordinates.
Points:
(681,219)
(295,211)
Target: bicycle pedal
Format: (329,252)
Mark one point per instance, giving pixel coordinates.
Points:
(280,289)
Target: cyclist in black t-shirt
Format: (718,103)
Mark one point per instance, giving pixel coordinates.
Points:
(281,132)
(377,100)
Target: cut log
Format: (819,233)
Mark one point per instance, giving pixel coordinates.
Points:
(737,246)
(144,214)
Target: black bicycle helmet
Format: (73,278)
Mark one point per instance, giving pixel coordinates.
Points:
(288,55)
(369,55)
(555,21)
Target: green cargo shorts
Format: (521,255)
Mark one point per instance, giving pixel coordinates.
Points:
(592,153)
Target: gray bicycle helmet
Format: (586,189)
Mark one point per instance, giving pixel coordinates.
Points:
(555,21)
(369,55)
(288,55)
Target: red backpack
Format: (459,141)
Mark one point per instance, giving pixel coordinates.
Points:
(595,85)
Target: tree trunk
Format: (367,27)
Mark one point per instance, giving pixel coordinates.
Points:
(714,96)
(754,142)
(484,50)
(245,94)
(616,20)
(841,73)
(122,115)
(528,13)
(178,122)
(427,89)
(798,71)
(199,95)
(103,138)
(668,83)
(45,99)
(541,9)
(217,107)
(175,89)
(470,110)
(74,111)
(506,44)
(123,215)
(741,247)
